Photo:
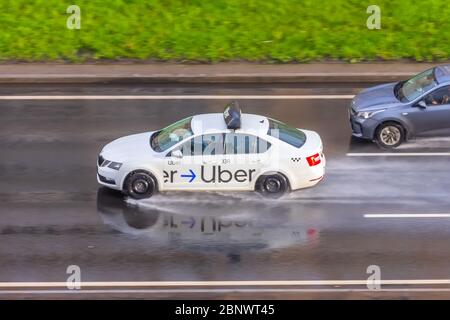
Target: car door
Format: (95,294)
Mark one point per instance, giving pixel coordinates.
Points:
(241,162)
(193,170)
(436,115)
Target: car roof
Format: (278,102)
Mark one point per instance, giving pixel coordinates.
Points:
(214,122)
(442,73)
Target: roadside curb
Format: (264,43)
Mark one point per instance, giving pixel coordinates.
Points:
(219,73)
(269,78)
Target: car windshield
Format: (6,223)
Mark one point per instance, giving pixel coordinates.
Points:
(416,86)
(171,135)
(285,133)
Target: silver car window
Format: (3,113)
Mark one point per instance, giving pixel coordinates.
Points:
(438,97)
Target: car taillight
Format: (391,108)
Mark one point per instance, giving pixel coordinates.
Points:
(313,160)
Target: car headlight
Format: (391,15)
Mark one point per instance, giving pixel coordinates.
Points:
(114,165)
(368,114)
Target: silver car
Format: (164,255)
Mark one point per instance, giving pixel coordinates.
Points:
(392,113)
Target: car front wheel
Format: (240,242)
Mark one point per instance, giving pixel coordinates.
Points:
(272,186)
(390,135)
(140,185)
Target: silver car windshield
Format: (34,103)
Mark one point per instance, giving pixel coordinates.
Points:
(418,85)
(171,135)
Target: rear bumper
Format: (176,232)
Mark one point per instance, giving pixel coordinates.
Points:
(318,172)
(311,177)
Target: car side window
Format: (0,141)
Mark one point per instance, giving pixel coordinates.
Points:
(237,143)
(212,144)
(438,97)
(208,144)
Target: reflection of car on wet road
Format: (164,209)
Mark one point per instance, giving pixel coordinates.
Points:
(391,113)
(199,227)
(229,151)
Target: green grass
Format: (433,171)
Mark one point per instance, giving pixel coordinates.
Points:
(223,30)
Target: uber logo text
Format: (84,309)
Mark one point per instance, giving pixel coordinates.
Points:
(74,20)
(74,280)
(212,174)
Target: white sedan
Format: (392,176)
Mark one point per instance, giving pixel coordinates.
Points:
(229,151)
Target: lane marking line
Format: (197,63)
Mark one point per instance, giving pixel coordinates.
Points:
(175,97)
(81,291)
(109,284)
(398,154)
(408,215)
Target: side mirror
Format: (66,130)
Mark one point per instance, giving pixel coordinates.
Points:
(421,104)
(177,154)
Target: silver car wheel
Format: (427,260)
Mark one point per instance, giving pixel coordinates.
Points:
(272,185)
(390,135)
(140,186)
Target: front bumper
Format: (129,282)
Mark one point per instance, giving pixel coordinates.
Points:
(109,177)
(363,128)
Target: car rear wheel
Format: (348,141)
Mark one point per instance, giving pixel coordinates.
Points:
(390,135)
(272,186)
(140,185)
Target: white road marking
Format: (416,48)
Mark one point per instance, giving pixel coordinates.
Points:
(398,154)
(231,290)
(409,215)
(131,284)
(176,97)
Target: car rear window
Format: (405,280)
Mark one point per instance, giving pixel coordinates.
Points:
(285,133)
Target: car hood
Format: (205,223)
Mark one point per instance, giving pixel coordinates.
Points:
(379,96)
(128,147)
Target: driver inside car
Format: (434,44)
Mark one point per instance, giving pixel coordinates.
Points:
(439,97)
(446,97)
(432,100)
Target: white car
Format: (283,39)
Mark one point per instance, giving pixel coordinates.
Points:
(229,151)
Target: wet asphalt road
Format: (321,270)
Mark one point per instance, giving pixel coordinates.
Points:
(53,214)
